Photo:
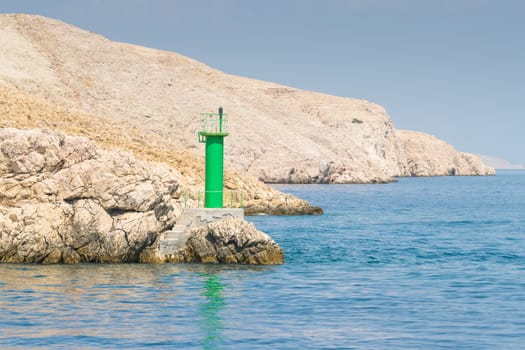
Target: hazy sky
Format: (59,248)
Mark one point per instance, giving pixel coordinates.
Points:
(452,68)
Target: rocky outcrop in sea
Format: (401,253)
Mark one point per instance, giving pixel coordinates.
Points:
(229,241)
(65,200)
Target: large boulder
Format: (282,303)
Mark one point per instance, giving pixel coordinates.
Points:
(62,199)
(230,241)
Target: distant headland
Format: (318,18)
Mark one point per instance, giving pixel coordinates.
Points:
(279,134)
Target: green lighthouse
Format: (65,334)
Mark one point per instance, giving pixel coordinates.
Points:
(213,131)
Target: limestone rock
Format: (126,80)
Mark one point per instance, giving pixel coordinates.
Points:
(230,241)
(62,199)
(277,133)
(428,156)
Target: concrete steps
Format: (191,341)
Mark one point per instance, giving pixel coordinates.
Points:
(172,240)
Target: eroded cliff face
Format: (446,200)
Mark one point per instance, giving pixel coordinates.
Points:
(62,199)
(428,156)
(277,133)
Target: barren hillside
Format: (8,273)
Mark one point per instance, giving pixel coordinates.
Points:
(277,133)
(20,110)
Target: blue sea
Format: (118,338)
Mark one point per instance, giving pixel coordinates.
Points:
(424,263)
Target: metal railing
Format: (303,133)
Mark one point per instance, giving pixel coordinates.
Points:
(214,123)
(232,199)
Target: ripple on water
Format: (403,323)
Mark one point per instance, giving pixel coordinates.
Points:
(419,264)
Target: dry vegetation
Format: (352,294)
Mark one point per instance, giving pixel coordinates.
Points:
(20,110)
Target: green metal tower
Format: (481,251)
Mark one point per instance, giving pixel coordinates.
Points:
(213,131)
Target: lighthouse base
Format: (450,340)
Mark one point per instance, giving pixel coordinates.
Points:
(174,239)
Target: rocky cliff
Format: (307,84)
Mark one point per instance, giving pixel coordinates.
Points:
(278,133)
(63,199)
(428,156)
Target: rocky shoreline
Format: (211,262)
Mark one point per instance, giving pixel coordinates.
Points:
(64,200)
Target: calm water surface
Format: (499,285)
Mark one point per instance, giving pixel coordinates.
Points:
(425,263)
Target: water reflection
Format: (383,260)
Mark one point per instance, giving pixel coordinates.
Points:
(212,323)
(108,306)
